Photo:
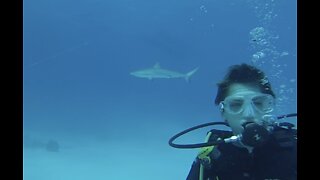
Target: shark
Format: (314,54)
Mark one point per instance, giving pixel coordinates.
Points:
(157,72)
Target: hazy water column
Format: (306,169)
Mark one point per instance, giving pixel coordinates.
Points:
(266,54)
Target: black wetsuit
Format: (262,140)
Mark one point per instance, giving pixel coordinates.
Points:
(275,160)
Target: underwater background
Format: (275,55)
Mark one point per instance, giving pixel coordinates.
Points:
(85,117)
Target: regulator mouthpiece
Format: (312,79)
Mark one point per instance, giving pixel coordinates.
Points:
(254,134)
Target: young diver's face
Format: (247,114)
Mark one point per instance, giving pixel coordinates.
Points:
(244,104)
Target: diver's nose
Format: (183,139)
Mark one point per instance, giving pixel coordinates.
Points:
(248,111)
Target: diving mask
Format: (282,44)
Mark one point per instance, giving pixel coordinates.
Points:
(235,104)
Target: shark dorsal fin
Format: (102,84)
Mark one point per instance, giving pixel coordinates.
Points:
(156,66)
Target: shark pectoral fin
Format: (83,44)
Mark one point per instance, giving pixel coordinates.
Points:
(189,74)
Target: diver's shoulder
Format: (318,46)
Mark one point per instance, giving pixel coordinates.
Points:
(285,138)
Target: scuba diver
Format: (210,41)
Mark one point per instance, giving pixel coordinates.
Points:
(259,147)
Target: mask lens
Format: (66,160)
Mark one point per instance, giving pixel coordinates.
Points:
(235,104)
(263,103)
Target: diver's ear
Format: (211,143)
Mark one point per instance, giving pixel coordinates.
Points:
(221,108)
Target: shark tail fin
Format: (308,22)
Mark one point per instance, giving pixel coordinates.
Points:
(189,74)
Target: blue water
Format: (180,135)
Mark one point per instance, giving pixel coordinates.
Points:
(108,124)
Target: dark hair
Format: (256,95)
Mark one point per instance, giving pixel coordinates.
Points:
(243,74)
